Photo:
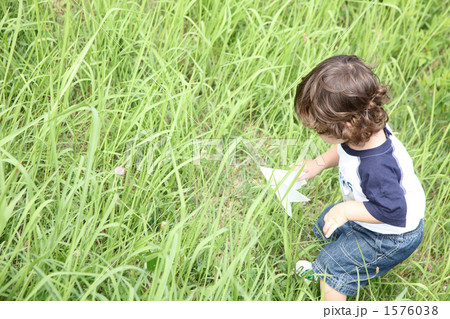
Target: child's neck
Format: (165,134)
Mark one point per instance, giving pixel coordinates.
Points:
(375,140)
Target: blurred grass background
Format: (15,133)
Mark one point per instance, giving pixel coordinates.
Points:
(190,98)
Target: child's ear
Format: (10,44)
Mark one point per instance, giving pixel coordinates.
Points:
(348,127)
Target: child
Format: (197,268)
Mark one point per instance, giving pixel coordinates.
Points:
(379,223)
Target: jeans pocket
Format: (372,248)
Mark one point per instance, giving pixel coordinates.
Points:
(358,248)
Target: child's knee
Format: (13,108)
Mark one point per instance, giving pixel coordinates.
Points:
(318,231)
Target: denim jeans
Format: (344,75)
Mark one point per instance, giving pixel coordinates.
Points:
(354,254)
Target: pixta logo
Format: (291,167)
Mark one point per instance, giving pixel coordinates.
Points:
(148,150)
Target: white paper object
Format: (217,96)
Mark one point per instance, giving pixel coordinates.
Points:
(281,182)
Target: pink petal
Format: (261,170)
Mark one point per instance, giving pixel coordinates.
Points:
(119,170)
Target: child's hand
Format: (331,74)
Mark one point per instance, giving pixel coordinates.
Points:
(311,169)
(334,219)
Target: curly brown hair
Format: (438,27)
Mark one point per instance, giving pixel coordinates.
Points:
(342,98)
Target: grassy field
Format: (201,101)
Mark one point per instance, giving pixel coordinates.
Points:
(190,98)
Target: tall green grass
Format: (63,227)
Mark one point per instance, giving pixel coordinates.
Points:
(87,86)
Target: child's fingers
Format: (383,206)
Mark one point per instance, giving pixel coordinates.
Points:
(330,226)
(297,166)
(329,229)
(326,226)
(303,175)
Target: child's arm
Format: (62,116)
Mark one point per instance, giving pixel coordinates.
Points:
(313,167)
(340,213)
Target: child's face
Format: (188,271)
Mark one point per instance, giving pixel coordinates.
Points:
(331,140)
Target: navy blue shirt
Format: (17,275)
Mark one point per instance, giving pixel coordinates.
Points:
(383,179)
